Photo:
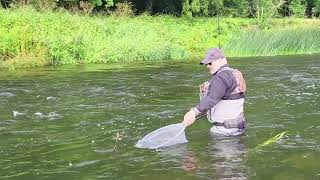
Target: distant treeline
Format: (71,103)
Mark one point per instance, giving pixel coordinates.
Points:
(229,8)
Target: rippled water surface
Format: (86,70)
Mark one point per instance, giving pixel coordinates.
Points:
(62,122)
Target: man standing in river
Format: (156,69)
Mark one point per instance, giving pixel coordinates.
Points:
(222,97)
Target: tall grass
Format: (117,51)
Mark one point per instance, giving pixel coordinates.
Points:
(286,41)
(64,38)
(30,38)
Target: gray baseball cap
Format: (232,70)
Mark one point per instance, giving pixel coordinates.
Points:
(212,54)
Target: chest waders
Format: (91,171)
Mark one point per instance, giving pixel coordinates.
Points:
(227,115)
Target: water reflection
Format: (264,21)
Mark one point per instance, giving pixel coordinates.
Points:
(225,158)
(188,159)
(229,154)
(190,162)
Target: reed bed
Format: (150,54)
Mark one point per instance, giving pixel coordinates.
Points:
(286,41)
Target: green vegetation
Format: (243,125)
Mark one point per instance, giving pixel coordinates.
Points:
(62,38)
(30,38)
(260,9)
(270,141)
(278,41)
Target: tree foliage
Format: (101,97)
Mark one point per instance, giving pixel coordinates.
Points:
(259,9)
(316,8)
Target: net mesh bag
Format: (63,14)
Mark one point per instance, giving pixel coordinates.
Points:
(166,136)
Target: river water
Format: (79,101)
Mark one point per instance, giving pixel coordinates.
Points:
(62,122)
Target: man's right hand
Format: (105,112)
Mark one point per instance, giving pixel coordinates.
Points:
(189,118)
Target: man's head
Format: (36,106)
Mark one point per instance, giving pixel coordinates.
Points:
(214,59)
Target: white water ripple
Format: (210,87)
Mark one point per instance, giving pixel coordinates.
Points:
(6,94)
(86,163)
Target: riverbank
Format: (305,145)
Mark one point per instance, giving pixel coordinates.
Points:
(30,38)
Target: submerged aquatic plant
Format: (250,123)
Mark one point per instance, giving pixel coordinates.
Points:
(118,137)
(270,141)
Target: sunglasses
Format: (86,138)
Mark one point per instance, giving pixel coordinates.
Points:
(210,63)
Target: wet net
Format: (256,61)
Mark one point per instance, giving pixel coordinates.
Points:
(166,136)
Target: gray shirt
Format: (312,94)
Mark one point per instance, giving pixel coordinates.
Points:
(221,87)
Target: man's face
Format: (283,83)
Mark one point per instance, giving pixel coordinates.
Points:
(213,66)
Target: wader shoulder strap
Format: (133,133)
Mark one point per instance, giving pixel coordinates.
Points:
(241,83)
